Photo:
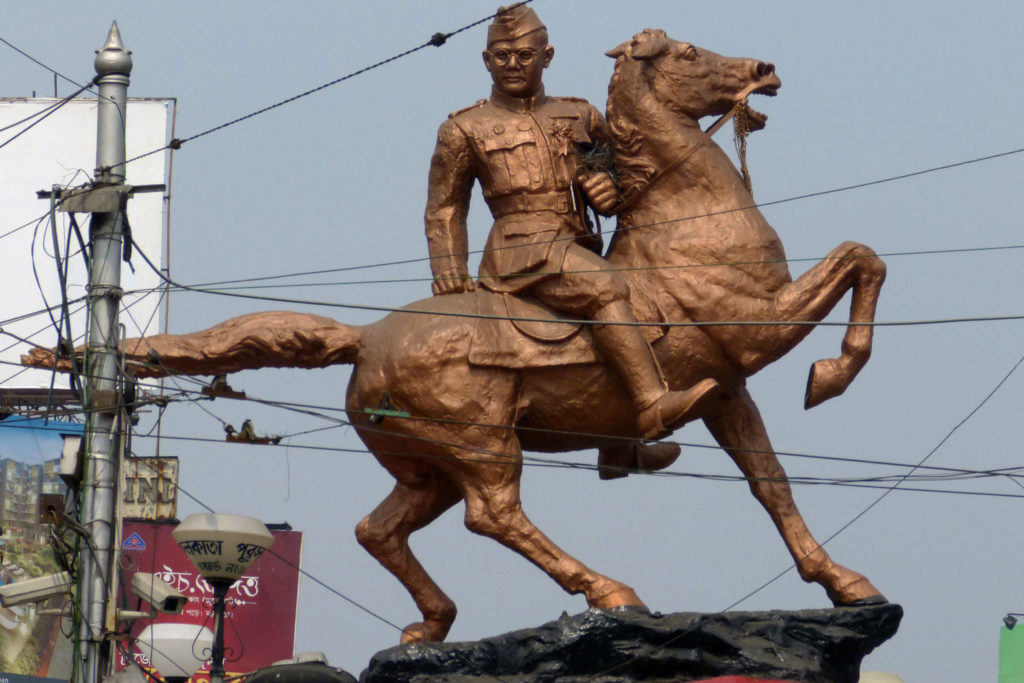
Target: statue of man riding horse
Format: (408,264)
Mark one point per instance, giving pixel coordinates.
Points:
(523,147)
(693,296)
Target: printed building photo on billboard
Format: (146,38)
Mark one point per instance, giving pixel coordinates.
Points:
(31,644)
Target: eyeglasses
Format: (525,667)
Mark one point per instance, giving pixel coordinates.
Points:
(523,57)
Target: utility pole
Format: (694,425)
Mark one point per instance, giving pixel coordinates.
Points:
(102,399)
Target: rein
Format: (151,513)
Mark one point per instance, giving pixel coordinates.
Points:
(714,128)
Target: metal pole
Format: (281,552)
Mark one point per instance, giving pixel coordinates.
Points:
(220,592)
(113,67)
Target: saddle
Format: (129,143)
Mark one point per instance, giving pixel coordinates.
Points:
(516,331)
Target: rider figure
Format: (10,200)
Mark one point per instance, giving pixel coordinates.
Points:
(522,146)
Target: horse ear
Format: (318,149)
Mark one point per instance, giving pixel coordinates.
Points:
(619,50)
(650,48)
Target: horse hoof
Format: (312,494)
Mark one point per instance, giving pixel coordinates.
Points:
(620,596)
(867,602)
(425,632)
(826,380)
(857,593)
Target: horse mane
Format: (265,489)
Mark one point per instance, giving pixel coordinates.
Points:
(629,83)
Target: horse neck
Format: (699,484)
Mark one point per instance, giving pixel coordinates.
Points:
(704,183)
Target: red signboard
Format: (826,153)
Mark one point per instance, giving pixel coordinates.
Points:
(259,628)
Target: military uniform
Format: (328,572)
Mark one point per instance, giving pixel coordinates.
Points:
(524,153)
(523,147)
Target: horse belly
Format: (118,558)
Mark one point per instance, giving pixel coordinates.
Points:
(568,408)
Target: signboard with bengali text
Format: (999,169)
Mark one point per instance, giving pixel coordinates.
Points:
(261,606)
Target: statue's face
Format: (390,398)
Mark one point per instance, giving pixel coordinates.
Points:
(505,59)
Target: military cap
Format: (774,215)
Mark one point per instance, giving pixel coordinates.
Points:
(513,22)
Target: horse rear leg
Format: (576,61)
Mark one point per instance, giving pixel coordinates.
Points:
(414,503)
(494,509)
(810,298)
(738,428)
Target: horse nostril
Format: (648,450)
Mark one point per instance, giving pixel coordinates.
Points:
(761,69)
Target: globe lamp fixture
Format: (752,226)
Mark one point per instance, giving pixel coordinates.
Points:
(221,547)
(176,651)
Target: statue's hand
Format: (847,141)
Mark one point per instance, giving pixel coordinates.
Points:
(454,281)
(600,191)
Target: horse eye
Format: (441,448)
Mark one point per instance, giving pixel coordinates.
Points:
(689,52)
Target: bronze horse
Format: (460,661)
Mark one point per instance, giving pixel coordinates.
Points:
(694,249)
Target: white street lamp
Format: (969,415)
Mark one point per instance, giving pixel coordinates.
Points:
(177,651)
(221,547)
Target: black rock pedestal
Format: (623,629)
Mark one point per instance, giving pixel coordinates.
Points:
(628,644)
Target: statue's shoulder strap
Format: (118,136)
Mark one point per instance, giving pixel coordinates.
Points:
(572,105)
(477,105)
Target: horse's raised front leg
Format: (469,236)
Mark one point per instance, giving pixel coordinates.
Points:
(738,428)
(852,265)
(810,298)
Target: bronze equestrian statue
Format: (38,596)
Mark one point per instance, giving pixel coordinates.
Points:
(470,389)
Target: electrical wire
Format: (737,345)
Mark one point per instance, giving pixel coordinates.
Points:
(437,40)
(582,321)
(29,117)
(943,473)
(689,218)
(24,225)
(217,286)
(887,490)
(313,410)
(52,110)
(497,458)
(50,69)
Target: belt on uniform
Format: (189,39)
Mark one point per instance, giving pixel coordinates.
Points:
(524,203)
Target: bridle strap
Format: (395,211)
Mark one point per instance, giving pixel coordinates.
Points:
(714,128)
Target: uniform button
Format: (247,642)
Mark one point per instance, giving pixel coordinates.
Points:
(508,141)
(499,129)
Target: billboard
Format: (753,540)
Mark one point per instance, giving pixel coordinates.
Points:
(149,488)
(261,606)
(31,645)
(61,150)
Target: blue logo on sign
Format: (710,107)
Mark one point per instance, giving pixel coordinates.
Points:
(134,542)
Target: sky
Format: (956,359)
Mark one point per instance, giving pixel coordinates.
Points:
(337,179)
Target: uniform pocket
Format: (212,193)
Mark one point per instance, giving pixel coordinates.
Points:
(510,139)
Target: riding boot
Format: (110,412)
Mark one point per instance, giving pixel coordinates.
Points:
(659,411)
(628,457)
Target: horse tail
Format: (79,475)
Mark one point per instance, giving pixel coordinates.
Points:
(345,348)
(274,339)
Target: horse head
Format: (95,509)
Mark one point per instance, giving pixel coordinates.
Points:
(661,85)
(691,81)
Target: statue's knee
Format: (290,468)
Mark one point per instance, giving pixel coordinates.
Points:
(609,289)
